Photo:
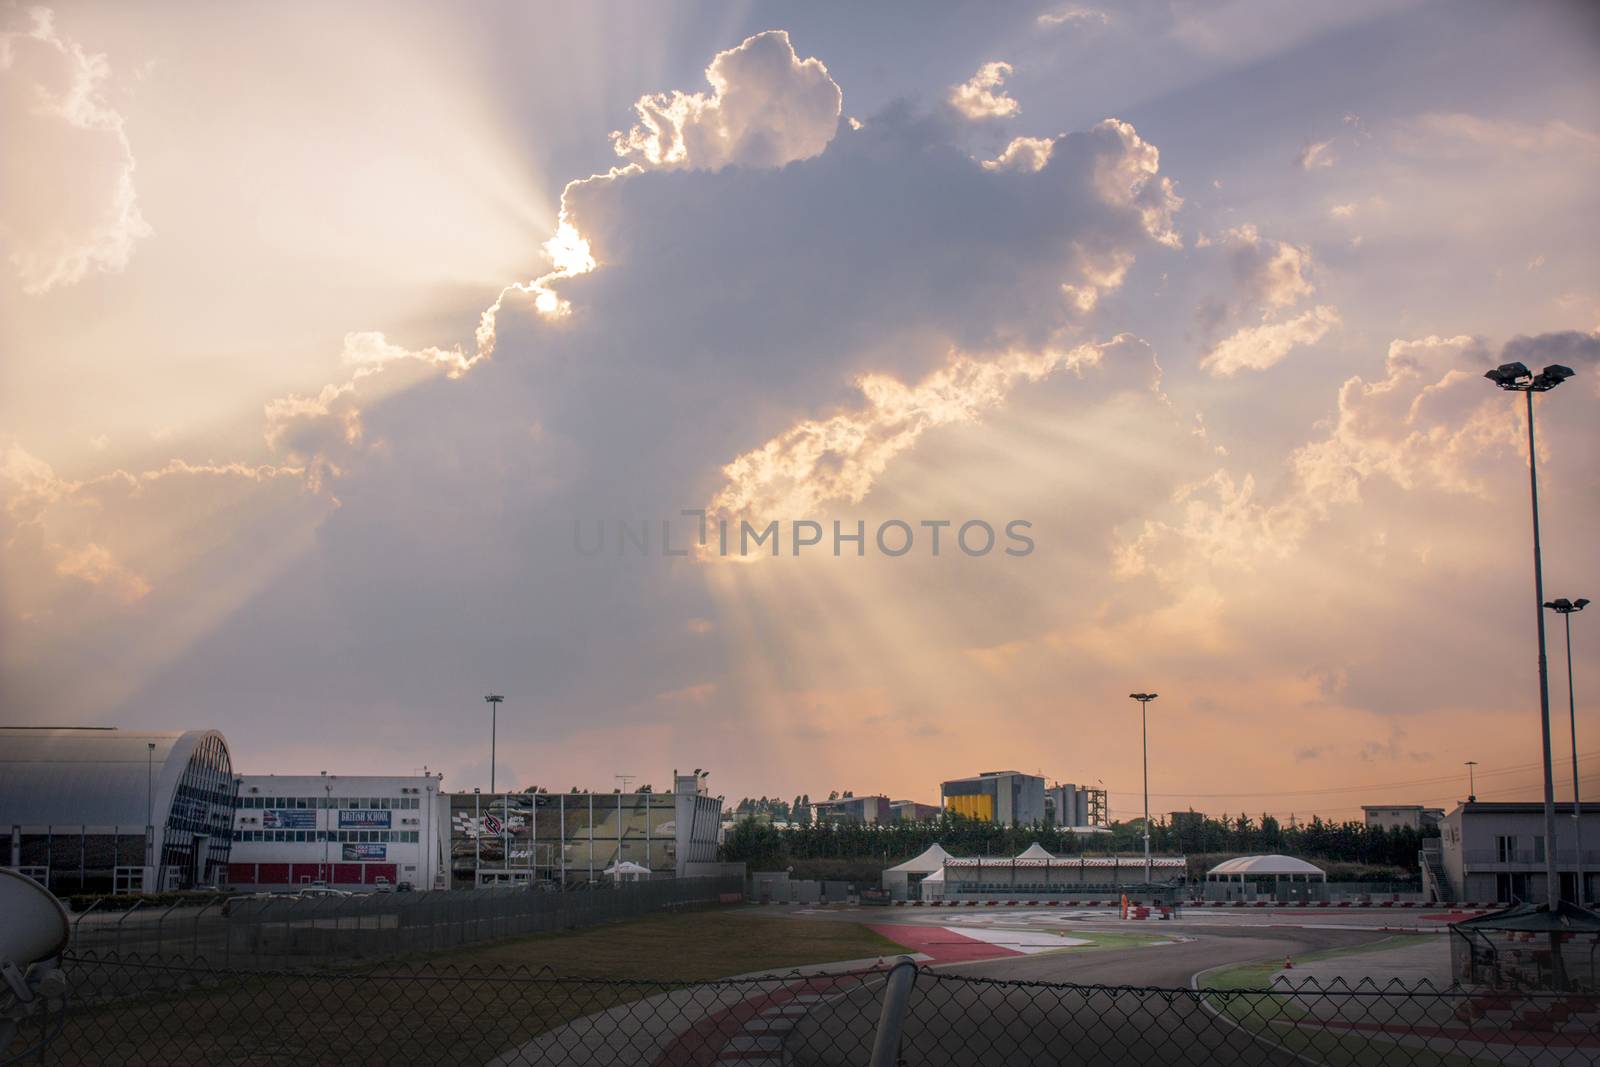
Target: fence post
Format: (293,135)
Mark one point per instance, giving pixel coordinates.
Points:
(161,929)
(891,1020)
(122,920)
(194,945)
(77,935)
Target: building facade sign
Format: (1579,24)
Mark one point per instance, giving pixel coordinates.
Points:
(291,819)
(363,852)
(364,819)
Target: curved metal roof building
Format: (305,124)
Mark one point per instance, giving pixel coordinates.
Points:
(86,808)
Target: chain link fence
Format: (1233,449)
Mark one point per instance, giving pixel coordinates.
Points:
(283,931)
(147,1012)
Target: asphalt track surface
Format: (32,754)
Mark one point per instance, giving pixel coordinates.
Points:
(960,1014)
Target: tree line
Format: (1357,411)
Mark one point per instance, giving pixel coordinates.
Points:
(767,847)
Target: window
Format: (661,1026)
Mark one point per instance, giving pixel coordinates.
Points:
(1505,848)
(1538,848)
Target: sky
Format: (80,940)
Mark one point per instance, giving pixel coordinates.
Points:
(349,355)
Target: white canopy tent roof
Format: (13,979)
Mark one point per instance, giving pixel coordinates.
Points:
(628,869)
(1273,866)
(928,862)
(1035,851)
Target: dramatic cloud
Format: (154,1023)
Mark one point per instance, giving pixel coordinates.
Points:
(1425,425)
(58,528)
(1570,347)
(981,97)
(1270,274)
(68,206)
(838,459)
(1260,347)
(1314,156)
(1073,15)
(765,309)
(767,107)
(1023,153)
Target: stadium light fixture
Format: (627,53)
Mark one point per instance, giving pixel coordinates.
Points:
(1517,378)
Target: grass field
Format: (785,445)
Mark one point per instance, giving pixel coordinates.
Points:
(687,947)
(460,1007)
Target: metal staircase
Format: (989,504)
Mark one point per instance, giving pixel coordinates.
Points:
(1432,865)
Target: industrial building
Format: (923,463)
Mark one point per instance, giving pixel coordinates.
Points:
(867,811)
(1496,852)
(1003,797)
(1402,817)
(344,831)
(911,811)
(98,809)
(520,838)
(1071,805)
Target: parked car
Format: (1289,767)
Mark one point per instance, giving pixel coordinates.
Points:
(403,887)
(381,885)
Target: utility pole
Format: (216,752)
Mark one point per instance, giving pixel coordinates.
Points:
(150,815)
(493,700)
(1144,700)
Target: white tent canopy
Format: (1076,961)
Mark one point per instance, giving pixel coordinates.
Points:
(926,863)
(901,880)
(628,869)
(1244,867)
(1035,851)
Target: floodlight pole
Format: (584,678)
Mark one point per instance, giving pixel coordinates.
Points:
(1566,608)
(493,700)
(150,810)
(1144,700)
(327,825)
(1552,870)
(1472,788)
(1516,378)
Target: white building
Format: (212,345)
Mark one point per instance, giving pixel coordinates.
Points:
(1496,852)
(1401,816)
(346,831)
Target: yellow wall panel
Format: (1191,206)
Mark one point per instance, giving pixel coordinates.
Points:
(978,806)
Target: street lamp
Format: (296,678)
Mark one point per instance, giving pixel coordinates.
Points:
(1565,608)
(1144,700)
(150,812)
(327,823)
(1472,788)
(1517,378)
(493,700)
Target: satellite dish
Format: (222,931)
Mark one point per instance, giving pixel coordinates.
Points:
(33,924)
(33,932)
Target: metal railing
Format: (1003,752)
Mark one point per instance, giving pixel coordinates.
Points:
(126,1011)
(286,931)
(1525,857)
